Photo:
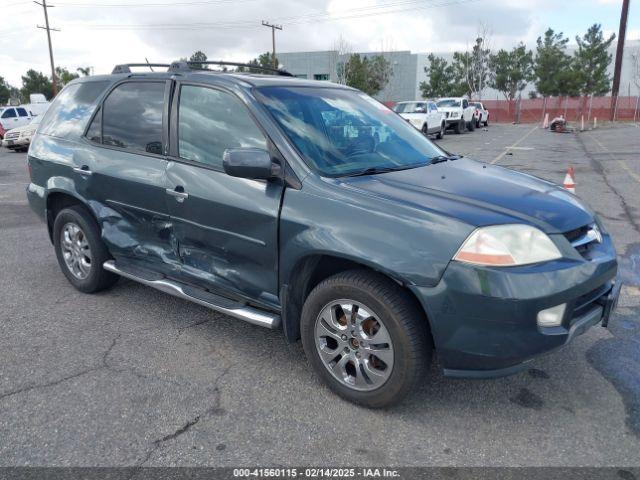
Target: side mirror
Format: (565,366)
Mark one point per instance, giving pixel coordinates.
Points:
(251,163)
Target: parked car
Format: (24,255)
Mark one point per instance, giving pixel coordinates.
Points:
(458,113)
(20,138)
(425,116)
(482,114)
(228,190)
(13,117)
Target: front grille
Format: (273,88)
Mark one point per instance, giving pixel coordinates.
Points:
(12,135)
(584,238)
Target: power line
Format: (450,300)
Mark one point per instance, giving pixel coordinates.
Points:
(357,13)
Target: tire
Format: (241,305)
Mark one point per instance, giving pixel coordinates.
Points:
(486,122)
(402,327)
(471,126)
(478,122)
(441,133)
(85,276)
(425,130)
(459,128)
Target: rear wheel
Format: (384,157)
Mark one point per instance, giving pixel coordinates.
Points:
(442,131)
(425,130)
(365,337)
(80,250)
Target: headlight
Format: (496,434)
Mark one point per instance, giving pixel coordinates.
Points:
(27,133)
(507,245)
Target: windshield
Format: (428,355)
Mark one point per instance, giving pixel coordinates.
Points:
(449,103)
(343,132)
(412,107)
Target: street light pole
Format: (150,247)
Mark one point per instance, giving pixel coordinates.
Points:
(619,54)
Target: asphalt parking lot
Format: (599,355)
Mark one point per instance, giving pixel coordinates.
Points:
(133,376)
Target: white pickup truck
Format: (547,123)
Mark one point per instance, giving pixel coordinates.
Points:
(459,113)
(424,115)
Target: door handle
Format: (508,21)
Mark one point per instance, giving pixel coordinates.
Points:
(178,193)
(83,170)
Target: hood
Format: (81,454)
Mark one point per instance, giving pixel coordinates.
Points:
(413,116)
(479,194)
(19,129)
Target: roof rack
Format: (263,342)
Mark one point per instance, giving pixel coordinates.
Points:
(126,67)
(194,65)
(181,66)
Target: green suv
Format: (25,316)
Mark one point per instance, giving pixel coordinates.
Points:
(313,208)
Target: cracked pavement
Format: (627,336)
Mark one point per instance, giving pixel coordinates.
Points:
(135,377)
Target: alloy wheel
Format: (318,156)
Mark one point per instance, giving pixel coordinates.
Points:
(75,250)
(354,345)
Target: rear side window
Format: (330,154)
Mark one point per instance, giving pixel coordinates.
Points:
(70,111)
(22,112)
(210,121)
(132,117)
(9,113)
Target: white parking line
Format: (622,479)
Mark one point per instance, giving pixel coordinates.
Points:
(514,145)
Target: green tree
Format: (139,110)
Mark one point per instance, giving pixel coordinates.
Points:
(368,74)
(552,67)
(84,71)
(511,71)
(36,82)
(64,76)
(592,59)
(439,81)
(198,56)
(6,91)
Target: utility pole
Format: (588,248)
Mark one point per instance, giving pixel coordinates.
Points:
(619,54)
(273,40)
(48,29)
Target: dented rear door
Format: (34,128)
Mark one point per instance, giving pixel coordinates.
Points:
(126,174)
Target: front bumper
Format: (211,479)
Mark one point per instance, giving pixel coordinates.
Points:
(484,320)
(452,121)
(15,142)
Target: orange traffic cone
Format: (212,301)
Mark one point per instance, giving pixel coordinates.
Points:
(569,181)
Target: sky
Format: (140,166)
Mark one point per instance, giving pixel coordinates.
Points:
(103,33)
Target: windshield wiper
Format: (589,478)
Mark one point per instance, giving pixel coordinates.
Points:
(444,158)
(374,170)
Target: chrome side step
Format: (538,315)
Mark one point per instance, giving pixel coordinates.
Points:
(202,297)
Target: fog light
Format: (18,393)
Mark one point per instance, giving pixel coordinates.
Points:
(551,317)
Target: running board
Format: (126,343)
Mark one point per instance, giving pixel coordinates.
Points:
(201,297)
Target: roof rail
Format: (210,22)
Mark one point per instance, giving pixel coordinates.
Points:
(181,66)
(126,67)
(178,66)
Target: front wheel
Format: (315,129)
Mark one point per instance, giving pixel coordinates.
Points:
(440,134)
(459,128)
(471,126)
(365,337)
(425,130)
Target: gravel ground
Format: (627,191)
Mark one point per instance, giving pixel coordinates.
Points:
(133,376)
